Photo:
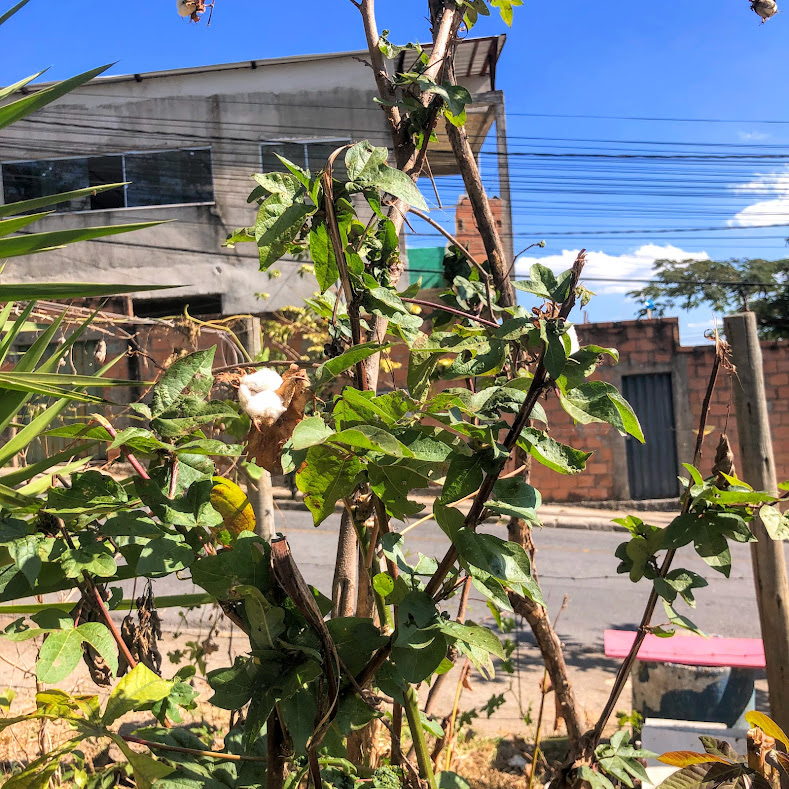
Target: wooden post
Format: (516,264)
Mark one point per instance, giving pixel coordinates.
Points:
(758,469)
(259,493)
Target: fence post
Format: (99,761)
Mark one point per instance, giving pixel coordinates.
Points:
(758,469)
(260,493)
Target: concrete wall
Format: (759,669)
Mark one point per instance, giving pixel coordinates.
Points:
(229,108)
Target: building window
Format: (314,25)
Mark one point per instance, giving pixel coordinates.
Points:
(310,155)
(157,178)
(199,306)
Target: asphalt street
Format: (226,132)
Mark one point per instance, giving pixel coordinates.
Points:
(575,562)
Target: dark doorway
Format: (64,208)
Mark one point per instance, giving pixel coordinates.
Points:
(652,467)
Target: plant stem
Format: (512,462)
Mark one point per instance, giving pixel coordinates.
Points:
(158,746)
(135,464)
(452,310)
(411,708)
(275,772)
(543,694)
(538,384)
(464,672)
(643,628)
(110,624)
(396,757)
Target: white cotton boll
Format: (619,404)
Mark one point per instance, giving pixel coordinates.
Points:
(263,380)
(265,408)
(574,344)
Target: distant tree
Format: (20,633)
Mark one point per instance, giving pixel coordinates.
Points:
(727,286)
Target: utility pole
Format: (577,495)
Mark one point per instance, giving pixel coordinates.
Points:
(758,470)
(259,493)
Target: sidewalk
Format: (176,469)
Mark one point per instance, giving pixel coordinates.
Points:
(591,517)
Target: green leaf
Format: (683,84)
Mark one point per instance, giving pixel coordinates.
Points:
(464,476)
(16,110)
(505,9)
(310,432)
(186,379)
(446,779)
(366,167)
(416,661)
(339,364)
(543,282)
(505,561)
(138,690)
(487,358)
(91,556)
(39,242)
(247,563)
(549,452)
(299,713)
(8,14)
(325,478)
(383,583)
(266,622)
(456,97)
(164,555)
(515,498)
(279,222)
(356,640)
(192,509)
(25,554)
(322,254)
(90,491)
(421,367)
(775,522)
(682,582)
(598,401)
(232,686)
(373,439)
(680,621)
(474,635)
(59,656)
(393,483)
(25,206)
(147,771)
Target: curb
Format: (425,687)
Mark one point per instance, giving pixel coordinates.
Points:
(550,522)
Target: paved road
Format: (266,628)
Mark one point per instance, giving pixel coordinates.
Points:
(576,562)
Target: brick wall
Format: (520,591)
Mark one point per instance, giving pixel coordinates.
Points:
(466,227)
(652,346)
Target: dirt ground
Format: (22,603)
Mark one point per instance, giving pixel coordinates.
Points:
(485,750)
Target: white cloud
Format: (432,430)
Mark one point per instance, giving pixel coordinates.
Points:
(627,267)
(773,211)
(753,136)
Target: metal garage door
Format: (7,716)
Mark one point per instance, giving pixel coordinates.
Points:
(652,467)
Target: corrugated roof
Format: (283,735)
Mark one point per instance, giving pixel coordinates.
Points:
(474,57)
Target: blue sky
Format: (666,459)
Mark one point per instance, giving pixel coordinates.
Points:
(709,65)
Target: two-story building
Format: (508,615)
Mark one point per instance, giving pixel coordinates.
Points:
(187,142)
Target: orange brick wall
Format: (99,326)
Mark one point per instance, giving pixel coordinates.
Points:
(466,227)
(648,347)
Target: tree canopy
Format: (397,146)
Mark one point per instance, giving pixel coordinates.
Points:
(727,286)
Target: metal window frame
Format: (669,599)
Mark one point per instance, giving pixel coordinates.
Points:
(122,155)
(305,141)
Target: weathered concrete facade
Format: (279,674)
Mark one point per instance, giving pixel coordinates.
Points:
(232,109)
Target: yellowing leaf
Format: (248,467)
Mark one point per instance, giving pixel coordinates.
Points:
(232,504)
(139,689)
(687,758)
(768,726)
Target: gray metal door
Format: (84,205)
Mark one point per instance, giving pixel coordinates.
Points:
(652,467)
